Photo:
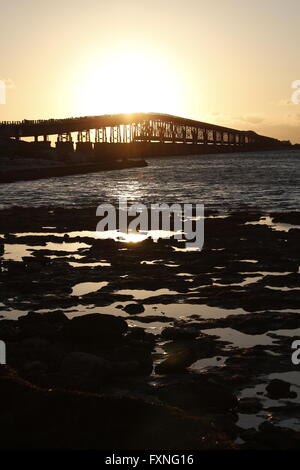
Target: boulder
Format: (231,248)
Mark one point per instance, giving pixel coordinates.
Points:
(279,389)
(35,324)
(198,395)
(174,333)
(176,362)
(134,309)
(249,405)
(96,328)
(138,354)
(85,366)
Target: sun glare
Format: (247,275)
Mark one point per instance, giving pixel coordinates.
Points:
(127,81)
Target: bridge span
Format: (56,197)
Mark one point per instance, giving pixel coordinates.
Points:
(141,134)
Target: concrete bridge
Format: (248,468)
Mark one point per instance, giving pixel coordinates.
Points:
(135,135)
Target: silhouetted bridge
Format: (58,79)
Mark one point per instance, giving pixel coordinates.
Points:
(137,134)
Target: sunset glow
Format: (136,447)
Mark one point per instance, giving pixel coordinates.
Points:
(126,80)
(219,62)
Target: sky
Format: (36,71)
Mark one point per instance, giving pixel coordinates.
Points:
(227,62)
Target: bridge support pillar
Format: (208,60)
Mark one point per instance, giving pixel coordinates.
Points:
(64,144)
(84,145)
(39,145)
(85,148)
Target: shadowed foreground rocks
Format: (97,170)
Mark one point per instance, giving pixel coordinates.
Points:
(34,418)
(82,384)
(105,380)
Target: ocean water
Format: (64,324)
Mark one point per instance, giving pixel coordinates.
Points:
(260,180)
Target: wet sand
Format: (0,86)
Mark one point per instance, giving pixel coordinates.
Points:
(114,344)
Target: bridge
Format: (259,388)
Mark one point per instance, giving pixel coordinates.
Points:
(136,134)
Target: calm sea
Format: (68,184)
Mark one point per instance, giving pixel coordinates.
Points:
(262,180)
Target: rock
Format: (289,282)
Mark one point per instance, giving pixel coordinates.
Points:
(279,389)
(153,318)
(139,354)
(60,419)
(35,367)
(125,368)
(197,395)
(9,330)
(56,316)
(85,369)
(35,349)
(139,334)
(173,333)
(96,328)
(271,437)
(134,309)
(35,324)
(36,343)
(176,362)
(249,405)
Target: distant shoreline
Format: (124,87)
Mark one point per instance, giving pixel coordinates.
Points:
(12,176)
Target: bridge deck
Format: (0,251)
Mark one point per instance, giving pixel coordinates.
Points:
(137,126)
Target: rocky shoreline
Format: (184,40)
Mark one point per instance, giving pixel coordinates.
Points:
(146,345)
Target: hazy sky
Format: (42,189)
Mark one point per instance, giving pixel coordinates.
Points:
(228,62)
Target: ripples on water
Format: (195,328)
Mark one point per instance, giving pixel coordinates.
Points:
(268,180)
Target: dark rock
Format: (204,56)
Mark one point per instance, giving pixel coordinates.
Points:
(174,333)
(136,354)
(249,405)
(95,328)
(35,368)
(279,389)
(271,437)
(36,343)
(153,318)
(40,419)
(35,324)
(199,394)
(9,330)
(56,316)
(139,334)
(134,309)
(86,369)
(176,362)
(35,349)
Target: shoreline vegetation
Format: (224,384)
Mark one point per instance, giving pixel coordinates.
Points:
(121,345)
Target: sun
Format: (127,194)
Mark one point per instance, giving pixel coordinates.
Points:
(125,81)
